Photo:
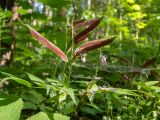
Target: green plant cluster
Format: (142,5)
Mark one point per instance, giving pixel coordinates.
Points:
(119,81)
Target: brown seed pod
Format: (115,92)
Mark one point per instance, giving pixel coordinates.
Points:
(78,22)
(87,30)
(145,65)
(149,62)
(48,44)
(92,45)
(82,38)
(81,23)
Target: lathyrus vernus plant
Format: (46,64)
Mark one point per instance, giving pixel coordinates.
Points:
(88,25)
(62,87)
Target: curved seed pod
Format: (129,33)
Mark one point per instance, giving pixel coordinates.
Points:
(92,45)
(149,62)
(145,65)
(84,23)
(79,40)
(78,22)
(87,30)
(48,44)
(82,38)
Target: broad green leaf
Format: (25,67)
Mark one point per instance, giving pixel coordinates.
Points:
(156,88)
(37,80)
(29,105)
(89,110)
(18,80)
(34,78)
(58,116)
(93,88)
(22,11)
(62,96)
(151,83)
(130,1)
(69,108)
(39,116)
(14,78)
(70,91)
(125,92)
(33,96)
(12,110)
(136,7)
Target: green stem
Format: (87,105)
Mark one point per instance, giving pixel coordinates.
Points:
(55,70)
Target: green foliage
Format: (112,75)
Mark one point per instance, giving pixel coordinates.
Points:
(10,107)
(57,116)
(39,116)
(118,81)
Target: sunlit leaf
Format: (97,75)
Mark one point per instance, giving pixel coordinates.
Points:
(58,116)
(125,92)
(37,80)
(70,91)
(151,83)
(10,111)
(16,79)
(39,116)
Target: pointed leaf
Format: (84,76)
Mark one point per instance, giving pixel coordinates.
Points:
(48,44)
(151,83)
(58,116)
(14,78)
(92,45)
(37,80)
(125,92)
(70,92)
(39,116)
(12,110)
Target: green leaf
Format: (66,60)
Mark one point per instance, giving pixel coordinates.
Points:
(16,79)
(130,1)
(89,110)
(125,92)
(22,11)
(62,96)
(29,105)
(151,83)
(70,91)
(37,80)
(136,7)
(155,88)
(69,108)
(58,116)
(12,110)
(39,116)
(33,96)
